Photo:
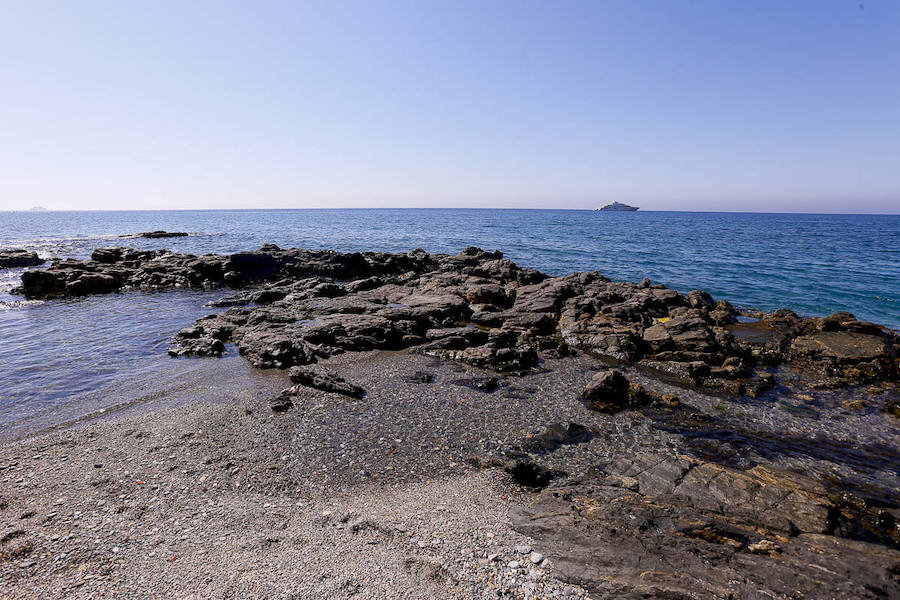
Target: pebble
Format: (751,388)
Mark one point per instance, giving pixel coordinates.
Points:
(513,564)
(523,549)
(536,558)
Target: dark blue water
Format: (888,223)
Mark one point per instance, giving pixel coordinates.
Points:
(814,264)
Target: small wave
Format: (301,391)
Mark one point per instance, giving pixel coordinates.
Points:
(6,305)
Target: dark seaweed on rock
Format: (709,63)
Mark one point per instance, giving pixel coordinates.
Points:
(479,308)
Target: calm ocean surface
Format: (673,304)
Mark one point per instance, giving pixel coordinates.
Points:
(52,353)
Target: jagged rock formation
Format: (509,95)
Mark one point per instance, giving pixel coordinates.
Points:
(479,308)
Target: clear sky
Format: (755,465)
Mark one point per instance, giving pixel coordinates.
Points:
(692,105)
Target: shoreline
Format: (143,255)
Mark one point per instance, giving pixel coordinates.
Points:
(353,508)
(405,425)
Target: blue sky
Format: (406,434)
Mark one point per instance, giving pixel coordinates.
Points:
(694,105)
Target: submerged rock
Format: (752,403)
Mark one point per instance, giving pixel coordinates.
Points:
(157,234)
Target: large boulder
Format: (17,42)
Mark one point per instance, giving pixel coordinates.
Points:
(43,284)
(19,258)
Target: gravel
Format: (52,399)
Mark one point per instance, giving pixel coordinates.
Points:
(334,498)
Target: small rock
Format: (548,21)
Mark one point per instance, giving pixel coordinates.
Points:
(764,547)
(281,403)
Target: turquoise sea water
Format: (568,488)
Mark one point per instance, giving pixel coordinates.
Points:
(813,264)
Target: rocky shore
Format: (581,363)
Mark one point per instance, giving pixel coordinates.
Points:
(588,437)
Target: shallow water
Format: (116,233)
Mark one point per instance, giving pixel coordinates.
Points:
(54,352)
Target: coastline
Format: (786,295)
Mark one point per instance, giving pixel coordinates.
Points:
(772,469)
(396,495)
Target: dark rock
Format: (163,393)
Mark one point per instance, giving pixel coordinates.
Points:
(610,391)
(607,389)
(557,434)
(846,353)
(43,284)
(157,234)
(523,470)
(267,349)
(685,371)
(479,308)
(420,377)
(281,403)
(483,384)
(19,258)
(700,299)
(325,380)
(892,407)
(654,525)
(93,283)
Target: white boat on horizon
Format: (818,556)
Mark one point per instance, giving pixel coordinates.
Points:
(618,206)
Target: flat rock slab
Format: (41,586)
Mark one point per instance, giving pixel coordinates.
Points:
(658,525)
(843,346)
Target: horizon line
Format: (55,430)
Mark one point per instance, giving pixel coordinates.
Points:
(469,208)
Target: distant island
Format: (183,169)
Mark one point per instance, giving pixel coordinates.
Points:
(37,209)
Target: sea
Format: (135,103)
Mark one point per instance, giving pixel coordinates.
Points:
(60,358)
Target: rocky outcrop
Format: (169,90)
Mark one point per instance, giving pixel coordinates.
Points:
(19,258)
(669,526)
(299,306)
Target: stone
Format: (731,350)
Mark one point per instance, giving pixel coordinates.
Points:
(555,435)
(610,391)
(281,403)
(158,234)
(16,257)
(325,380)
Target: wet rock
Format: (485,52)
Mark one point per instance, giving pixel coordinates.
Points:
(504,360)
(479,308)
(93,283)
(700,299)
(325,380)
(203,345)
(43,284)
(555,435)
(19,258)
(157,234)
